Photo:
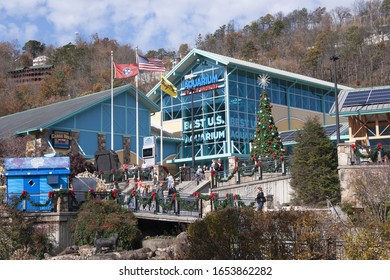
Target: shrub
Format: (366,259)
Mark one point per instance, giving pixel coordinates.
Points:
(235,233)
(103,218)
(20,234)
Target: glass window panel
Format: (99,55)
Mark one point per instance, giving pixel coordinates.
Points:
(176,112)
(242,76)
(251,92)
(298,101)
(318,104)
(306,102)
(252,106)
(251,79)
(233,119)
(233,89)
(233,103)
(283,96)
(242,105)
(252,121)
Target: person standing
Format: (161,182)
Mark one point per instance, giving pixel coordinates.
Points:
(260,199)
(170,181)
(159,196)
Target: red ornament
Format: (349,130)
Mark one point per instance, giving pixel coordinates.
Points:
(213,196)
(258,131)
(112,171)
(101,172)
(133,192)
(124,167)
(268,150)
(24,193)
(380,146)
(235,168)
(114,193)
(353,146)
(270,127)
(50,194)
(92,191)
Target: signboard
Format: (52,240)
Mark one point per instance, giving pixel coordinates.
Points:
(149,150)
(61,139)
(206,129)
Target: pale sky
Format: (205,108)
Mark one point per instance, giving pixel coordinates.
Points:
(148,24)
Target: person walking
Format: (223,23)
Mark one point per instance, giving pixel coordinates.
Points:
(260,199)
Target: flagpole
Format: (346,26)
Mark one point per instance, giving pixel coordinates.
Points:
(161,122)
(112,100)
(136,107)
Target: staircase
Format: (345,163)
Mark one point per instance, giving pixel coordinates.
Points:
(189,187)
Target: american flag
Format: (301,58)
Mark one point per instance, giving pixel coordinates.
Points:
(150,64)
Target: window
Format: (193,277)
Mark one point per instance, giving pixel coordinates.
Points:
(52,179)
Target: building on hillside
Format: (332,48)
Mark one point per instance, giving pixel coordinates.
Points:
(31,74)
(83,124)
(221,94)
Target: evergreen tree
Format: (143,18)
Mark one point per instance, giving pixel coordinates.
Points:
(314,176)
(266,142)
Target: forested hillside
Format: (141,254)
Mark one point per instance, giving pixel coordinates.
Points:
(301,42)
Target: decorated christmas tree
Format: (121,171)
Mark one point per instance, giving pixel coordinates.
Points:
(266,142)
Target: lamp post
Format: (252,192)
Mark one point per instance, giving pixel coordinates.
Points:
(334,58)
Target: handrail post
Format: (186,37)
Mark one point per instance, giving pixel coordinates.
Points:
(200,201)
(260,171)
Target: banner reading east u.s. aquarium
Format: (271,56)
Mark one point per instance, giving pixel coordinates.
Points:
(207,129)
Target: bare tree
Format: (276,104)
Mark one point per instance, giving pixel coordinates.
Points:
(372,190)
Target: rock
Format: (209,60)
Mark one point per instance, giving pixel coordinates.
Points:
(180,246)
(163,254)
(69,250)
(139,254)
(156,243)
(105,256)
(153,249)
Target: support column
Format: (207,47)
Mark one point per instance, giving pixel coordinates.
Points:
(101,142)
(42,147)
(126,149)
(74,148)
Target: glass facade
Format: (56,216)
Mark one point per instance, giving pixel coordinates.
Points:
(225,107)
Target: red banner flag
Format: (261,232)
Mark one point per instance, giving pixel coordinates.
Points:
(125,70)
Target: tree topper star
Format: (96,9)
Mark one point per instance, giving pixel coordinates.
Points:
(263,80)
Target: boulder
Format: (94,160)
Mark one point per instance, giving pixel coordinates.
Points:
(180,246)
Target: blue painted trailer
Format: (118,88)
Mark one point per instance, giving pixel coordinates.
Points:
(34,179)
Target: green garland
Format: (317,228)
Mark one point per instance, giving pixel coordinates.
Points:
(27,197)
